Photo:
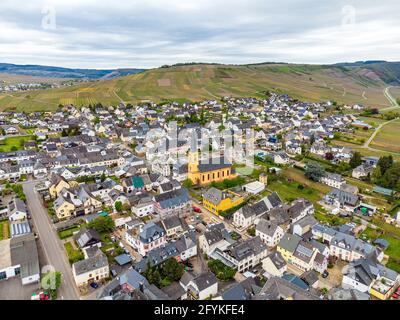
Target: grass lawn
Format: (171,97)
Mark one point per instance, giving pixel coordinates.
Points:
(63,234)
(17,142)
(290,191)
(298,186)
(330,219)
(389,233)
(4,230)
(361,185)
(73,254)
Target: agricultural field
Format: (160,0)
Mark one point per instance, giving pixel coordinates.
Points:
(9,78)
(388,138)
(14,143)
(395,92)
(199,82)
(358,137)
(367,152)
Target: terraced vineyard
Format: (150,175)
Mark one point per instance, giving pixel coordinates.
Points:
(198,82)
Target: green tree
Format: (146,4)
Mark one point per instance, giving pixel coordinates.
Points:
(172,270)
(118,206)
(102,224)
(51,281)
(314,171)
(152,275)
(390,179)
(355,160)
(385,162)
(221,271)
(188,184)
(342,167)
(376,174)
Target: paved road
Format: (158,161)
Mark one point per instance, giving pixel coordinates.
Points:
(52,246)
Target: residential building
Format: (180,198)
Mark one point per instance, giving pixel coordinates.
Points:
(217,201)
(93,269)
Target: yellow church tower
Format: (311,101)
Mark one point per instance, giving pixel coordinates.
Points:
(193,159)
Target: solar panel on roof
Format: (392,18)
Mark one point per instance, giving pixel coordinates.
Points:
(305,251)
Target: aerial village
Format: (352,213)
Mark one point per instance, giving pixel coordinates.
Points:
(125,202)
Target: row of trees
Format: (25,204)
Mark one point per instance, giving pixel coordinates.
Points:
(315,171)
(386,173)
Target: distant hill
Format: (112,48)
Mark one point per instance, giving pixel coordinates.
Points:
(58,72)
(351,83)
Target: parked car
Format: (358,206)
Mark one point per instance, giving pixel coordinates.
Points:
(196,209)
(94,285)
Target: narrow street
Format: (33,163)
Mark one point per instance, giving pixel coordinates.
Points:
(49,241)
(212,218)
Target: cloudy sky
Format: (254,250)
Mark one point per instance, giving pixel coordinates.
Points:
(150,33)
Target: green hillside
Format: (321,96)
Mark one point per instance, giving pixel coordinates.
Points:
(197,82)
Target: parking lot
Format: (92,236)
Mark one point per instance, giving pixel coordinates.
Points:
(12,289)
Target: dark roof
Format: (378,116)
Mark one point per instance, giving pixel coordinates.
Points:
(91,264)
(123,259)
(173,198)
(274,199)
(277,288)
(174,291)
(86,237)
(205,280)
(254,209)
(214,164)
(23,252)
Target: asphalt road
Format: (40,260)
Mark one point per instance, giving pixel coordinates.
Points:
(50,242)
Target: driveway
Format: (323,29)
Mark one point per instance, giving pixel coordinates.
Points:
(52,246)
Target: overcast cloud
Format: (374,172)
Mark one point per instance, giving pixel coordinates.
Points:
(150,33)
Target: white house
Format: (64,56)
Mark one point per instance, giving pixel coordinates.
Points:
(269,232)
(333,180)
(254,187)
(93,269)
(17,210)
(202,287)
(274,265)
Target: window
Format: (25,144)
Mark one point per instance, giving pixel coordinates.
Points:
(17,271)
